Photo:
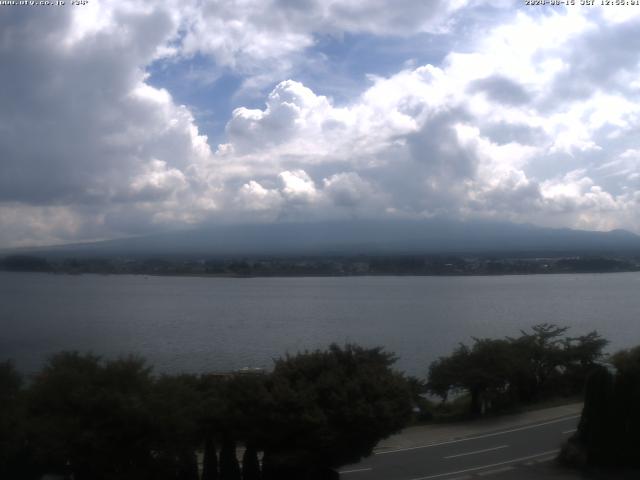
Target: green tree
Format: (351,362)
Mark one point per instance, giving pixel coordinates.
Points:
(581,357)
(234,409)
(250,464)
(330,408)
(209,460)
(245,401)
(585,350)
(596,429)
(445,374)
(91,418)
(627,405)
(14,459)
(608,429)
(418,388)
(483,370)
(229,466)
(175,404)
(539,354)
(211,420)
(499,372)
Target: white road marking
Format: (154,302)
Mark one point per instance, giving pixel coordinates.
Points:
(355,471)
(566,432)
(514,460)
(546,459)
(449,442)
(477,451)
(496,470)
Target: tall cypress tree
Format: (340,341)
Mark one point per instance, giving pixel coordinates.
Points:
(250,464)
(229,466)
(210,460)
(627,407)
(596,427)
(268,472)
(187,465)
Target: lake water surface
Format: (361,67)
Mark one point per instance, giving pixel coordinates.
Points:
(197,324)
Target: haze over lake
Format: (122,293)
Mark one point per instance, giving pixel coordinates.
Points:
(196,324)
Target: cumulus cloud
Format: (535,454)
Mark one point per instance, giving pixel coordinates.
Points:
(348,189)
(81,127)
(509,127)
(477,135)
(501,89)
(254,197)
(245,35)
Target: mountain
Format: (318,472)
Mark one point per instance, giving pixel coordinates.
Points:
(432,236)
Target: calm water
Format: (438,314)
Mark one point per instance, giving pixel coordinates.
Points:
(197,324)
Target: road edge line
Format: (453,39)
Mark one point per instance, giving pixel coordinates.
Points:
(473,469)
(466,439)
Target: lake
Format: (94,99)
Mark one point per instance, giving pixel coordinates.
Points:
(192,324)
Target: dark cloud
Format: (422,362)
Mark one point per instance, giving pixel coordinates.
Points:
(71,124)
(503,133)
(501,89)
(436,150)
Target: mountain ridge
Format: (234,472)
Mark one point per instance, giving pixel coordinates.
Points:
(389,237)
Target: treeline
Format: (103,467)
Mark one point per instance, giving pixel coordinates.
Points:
(500,373)
(544,363)
(84,417)
(609,430)
(91,419)
(329,266)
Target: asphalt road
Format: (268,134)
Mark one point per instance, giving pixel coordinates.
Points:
(477,456)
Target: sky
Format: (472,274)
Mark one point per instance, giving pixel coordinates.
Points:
(129,118)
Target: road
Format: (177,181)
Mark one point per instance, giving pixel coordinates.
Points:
(477,456)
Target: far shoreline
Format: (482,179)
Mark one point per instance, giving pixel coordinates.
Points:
(364,275)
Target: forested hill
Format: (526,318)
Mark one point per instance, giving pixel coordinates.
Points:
(358,237)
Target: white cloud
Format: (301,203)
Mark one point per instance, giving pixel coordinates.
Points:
(511,127)
(298,187)
(157,182)
(420,135)
(244,34)
(348,189)
(254,197)
(83,132)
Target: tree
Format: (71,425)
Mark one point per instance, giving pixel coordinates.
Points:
(229,467)
(91,418)
(14,461)
(596,428)
(421,405)
(175,404)
(484,371)
(234,409)
(210,420)
(445,374)
(245,400)
(250,464)
(540,353)
(209,460)
(499,372)
(330,408)
(610,421)
(581,357)
(584,350)
(627,405)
